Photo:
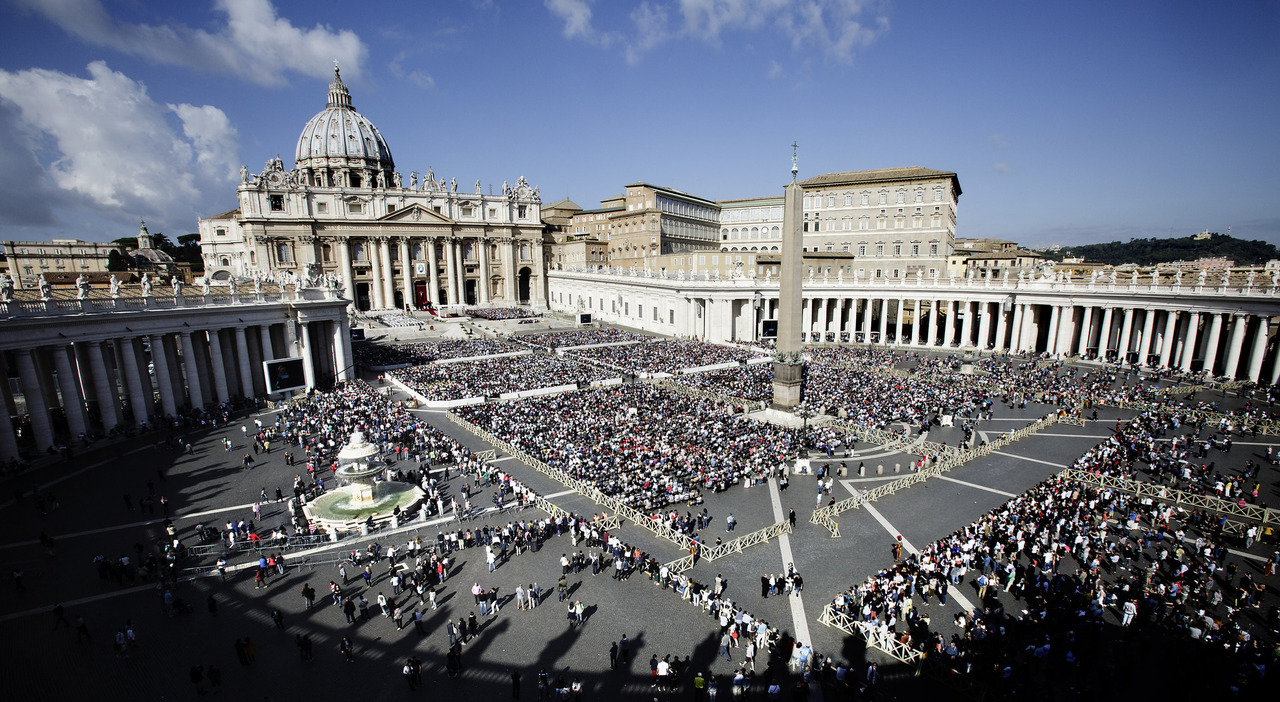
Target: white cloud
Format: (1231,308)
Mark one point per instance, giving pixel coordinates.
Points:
(836,28)
(254,43)
(414,76)
(775,70)
(101,144)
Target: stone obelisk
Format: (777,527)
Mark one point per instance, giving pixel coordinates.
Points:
(788,365)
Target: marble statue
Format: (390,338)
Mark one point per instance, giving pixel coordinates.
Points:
(1022,277)
(115,286)
(1203,274)
(395,179)
(1133,280)
(146,285)
(1155,277)
(840,275)
(478,191)
(1177,277)
(1093,277)
(6,288)
(244,174)
(232,287)
(46,290)
(177,286)
(1249,278)
(1226,277)
(204,285)
(453,185)
(257,285)
(1275,277)
(1004,277)
(413,180)
(82,287)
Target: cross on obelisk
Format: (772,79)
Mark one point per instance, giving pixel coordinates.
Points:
(788,365)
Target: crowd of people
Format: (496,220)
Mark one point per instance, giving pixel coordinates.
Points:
(463,379)
(500,313)
(579,337)
(667,356)
(378,355)
(1065,558)
(646,446)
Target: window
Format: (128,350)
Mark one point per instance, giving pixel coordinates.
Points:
(468,211)
(937,194)
(831,201)
(355,208)
(322,208)
(671,316)
(845,247)
(862,250)
(284,254)
(640,311)
(220,232)
(655,313)
(846,224)
(897,250)
(879,273)
(830,246)
(919,198)
(915,249)
(902,197)
(493,213)
(866,199)
(522,211)
(277,203)
(326,253)
(879,249)
(390,208)
(933,249)
(884,198)
(848,200)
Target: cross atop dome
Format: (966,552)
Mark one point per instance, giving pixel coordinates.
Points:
(339,96)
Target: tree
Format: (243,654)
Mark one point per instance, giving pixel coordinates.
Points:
(117,261)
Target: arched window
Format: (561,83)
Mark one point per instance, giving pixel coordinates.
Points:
(224,261)
(284,254)
(417,251)
(326,252)
(358,251)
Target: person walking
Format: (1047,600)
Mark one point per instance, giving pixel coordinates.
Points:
(613,656)
(347,650)
(515,684)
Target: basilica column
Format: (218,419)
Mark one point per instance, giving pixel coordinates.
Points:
(1189,345)
(41,428)
(1211,344)
(193,371)
(160,362)
(433,270)
(1148,328)
(484,270)
(348,273)
(103,388)
(1167,340)
(308,363)
(1259,348)
(1086,332)
(242,356)
(407,273)
(1126,335)
(388,280)
(375,270)
(72,403)
(1236,345)
(219,366)
(451,269)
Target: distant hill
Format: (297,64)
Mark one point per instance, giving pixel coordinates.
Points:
(1148,252)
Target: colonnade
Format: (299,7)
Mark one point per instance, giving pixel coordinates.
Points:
(116,364)
(503,270)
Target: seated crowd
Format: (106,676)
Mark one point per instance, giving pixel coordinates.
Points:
(500,313)
(487,378)
(377,355)
(667,356)
(579,337)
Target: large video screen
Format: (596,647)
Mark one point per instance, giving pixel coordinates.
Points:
(769,328)
(285,374)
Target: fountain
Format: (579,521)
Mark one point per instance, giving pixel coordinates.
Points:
(361,498)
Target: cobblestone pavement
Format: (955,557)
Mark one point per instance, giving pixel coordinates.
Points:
(210,486)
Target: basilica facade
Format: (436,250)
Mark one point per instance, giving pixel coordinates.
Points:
(344,213)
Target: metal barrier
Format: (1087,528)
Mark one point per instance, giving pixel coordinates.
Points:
(1238,516)
(760,536)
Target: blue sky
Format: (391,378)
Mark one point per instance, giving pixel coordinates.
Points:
(1066,122)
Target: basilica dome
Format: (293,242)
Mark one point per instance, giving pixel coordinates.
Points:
(339,138)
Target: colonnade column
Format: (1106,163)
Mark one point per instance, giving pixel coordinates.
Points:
(866,320)
(949,327)
(348,273)
(72,402)
(1104,333)
(1055,315)
(1015,339)
(1086,331)
(1126,335)
(1211,345)
(1029,329)
(1235,346)
(103,388)
(433,266)
(375,270)
(268,349)
(219,366)
(406,274)
(8,439)
(884,320)
(160,361)
(41,428)
(1002,327)
(966,325)
(140,401)
(1259,348)
(242,356)
(1189,345)
(193,371)
(388,281)
(897,322)
(1066,325)
(1167,340)
(340,335)
(1148,328)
